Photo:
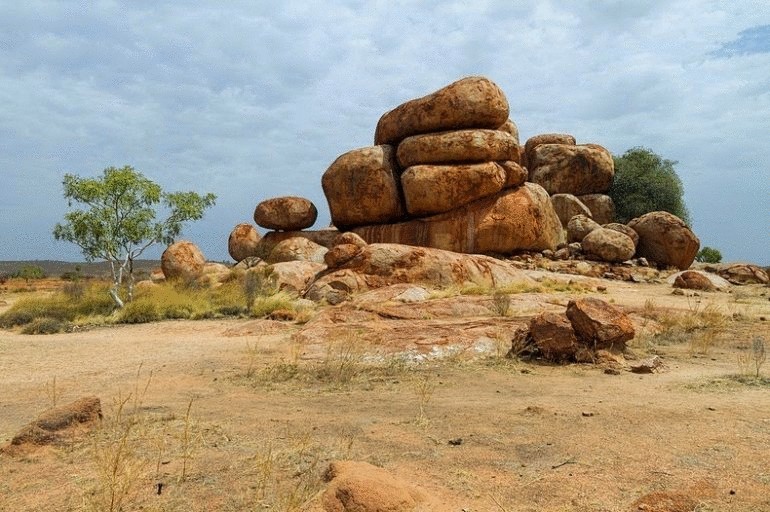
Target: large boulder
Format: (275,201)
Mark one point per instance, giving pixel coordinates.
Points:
(510,127)
(378,265)
(182,260)
(579,226)
(608,245)
(242,242)
(566,169)
(267,243)
(297,249)
(630,233)
(286,213)
(465,146)
(665,239)
(693,280)
(512,220)
(472,102)
(544,138)
(293,276)
(567,206)
(601,206)
(431,189)
(554,336)
(741,273)
(362,188)
(599,324)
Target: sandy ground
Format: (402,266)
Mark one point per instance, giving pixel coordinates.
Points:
(267,415)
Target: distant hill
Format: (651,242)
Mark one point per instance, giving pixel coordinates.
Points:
(57,268)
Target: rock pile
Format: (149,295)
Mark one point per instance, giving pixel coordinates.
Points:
(445,172)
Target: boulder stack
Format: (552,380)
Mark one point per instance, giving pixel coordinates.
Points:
(445,173)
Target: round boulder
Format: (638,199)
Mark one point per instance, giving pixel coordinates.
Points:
(242,242)
(297,249)
(182,260)
(510,127)
(349,237)
(567,206)
(579,226)
(602,207)
(431,189)
(515,174)
(544,138)
(286,213)
(472,102)
(615,226)
(449,147)
(608,245)
(692,280)
(665,239)
(361,187)
(566,169)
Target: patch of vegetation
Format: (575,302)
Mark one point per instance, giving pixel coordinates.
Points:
(60,306)
(700,327)
(543,286)
(708,255)
(730,383)
(45,325)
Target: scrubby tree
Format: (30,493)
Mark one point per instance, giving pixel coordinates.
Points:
(645,182)
(708,255)
(122,214)
(29,272)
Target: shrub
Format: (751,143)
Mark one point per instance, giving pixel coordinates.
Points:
(708,255)
(45,325)
(138,311)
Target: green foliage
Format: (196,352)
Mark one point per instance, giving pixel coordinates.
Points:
(62,306)
(708,255)
(644,182)
(29,272)
(119,218)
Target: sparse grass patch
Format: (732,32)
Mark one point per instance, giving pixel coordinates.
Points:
(700,327)
(45,325)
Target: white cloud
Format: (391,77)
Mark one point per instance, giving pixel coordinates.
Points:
(253,100)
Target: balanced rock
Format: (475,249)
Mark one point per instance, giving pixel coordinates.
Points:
(608,245)
(362,188)
(510,221)
(554,336)
(182,260)
(665,239)
(544,138)
(286,213)
(566,169)
(510,127)
(431,189)
(616,226)
(242,242)
(466,146)
(579,226)
(599,324)
(472,102)
(567,206)
(742,273)
(297,249)
(693,280)
(601,206)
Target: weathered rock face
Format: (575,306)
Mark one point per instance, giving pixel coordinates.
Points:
(715,282)
(360,487)
(554,336)
(665,239)
(510,127)
(630,233)
(463,146)
(378,265)
(515,174)
(692,280)
(294,276)
(513,220)
(744,274)
(341,254)
(349,238)
(601,206)
(567,206)
(267,243)
(362,188)
(182,260)
(600,323)
(286,213)
(297,249)
(242,242)
(608,245)
(577,170)
(544,138)
(579,226)
(431,189)
(473,102)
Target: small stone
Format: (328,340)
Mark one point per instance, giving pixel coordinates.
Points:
(587,414)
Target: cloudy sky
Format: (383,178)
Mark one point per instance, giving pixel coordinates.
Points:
(254,99)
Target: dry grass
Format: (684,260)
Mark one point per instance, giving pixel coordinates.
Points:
(700,326)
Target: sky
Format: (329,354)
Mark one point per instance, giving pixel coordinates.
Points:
(254,99)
